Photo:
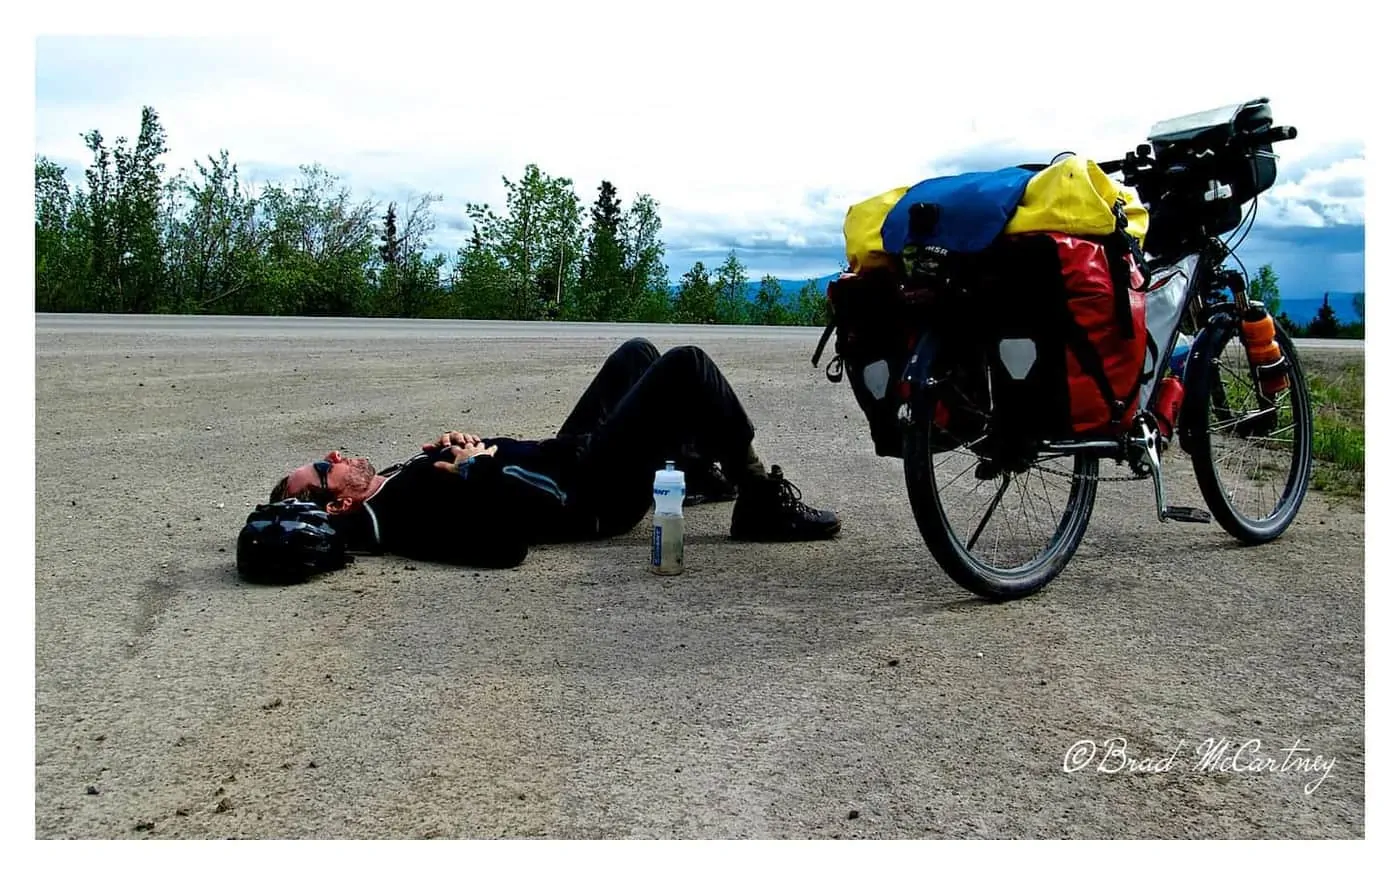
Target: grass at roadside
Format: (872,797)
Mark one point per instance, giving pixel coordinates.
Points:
(1337,384)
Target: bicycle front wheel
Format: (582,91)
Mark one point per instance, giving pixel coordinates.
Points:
(1252,453)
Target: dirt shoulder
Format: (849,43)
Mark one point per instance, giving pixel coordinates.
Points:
(844,689)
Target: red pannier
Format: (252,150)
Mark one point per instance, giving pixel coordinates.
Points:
(1113,316)
(1060,320)
(1067,319)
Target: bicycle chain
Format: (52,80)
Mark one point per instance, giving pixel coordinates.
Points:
(1071,476)
(1134,478)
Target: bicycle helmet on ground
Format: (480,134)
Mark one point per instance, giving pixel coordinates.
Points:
(287,542)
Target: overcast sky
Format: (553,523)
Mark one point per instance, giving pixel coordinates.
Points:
(753,130)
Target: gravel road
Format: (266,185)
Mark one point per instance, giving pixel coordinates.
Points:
(845,689)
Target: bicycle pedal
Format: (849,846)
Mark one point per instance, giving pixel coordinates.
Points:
(1185,514)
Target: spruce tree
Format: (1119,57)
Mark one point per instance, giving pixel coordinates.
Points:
(1325,323)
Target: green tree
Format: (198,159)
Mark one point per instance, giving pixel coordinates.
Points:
(124,192)
(810,308)
(1263,286)
(103,292)
(209,241)
(389,248)
(320,245)
(427,278)
(58,255)
(603,294)
(408,283)
(76,275)
(767,307)
(480,289)
(656,307)
(139,173)
(648,283)
(1325,323)
(387,299)
(1293,329)
(696,300)
(552,278)
(1356,329)
(214,243)
(731,284)
(538,241)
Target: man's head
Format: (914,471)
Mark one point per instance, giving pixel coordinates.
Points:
(336,483)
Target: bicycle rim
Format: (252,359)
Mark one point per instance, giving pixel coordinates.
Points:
(957,530)
(1248,442)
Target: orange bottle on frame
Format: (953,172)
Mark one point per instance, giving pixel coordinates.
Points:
(1263,351)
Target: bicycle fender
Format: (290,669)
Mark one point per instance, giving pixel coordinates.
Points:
(916,374)
(1196,397)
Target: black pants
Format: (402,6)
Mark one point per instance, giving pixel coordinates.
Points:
(639,411)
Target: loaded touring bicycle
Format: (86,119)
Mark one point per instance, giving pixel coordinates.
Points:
(1007,333)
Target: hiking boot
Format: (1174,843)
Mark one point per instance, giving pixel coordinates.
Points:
(771,509)
(708,483)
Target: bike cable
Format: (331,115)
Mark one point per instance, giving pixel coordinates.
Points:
(1233,244)
(1245,227)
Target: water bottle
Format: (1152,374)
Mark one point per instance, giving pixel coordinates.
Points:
(1177,364)
(668,523)
(1264,353)
(1168,404)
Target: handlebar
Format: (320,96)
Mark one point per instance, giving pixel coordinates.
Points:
(1141,159)
(1272,135)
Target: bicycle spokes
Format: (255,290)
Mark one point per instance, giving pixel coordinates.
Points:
(1006,517)
(1252,436)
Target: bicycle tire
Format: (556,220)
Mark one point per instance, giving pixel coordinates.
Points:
(990,583)
(1196,416)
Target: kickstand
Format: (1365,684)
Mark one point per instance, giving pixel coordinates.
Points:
(1148,442)
(1165,512)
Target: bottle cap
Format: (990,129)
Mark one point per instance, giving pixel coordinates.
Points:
(670,478)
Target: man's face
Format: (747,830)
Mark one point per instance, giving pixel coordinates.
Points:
(349,480)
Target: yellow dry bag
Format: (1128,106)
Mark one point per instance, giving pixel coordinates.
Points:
(864,246)
(1075,196)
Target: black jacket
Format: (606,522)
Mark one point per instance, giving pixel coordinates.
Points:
(490,518)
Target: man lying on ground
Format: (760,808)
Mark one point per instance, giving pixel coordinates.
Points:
(484,502)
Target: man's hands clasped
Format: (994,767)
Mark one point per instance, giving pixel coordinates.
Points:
(462,447)
(452,438)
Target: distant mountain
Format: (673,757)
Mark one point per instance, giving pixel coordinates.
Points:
(1302,310)
(790,288)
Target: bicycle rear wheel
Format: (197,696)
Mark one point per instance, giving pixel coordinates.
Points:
(1242,440)
(994,574)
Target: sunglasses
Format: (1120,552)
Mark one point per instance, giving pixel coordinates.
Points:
(322,469)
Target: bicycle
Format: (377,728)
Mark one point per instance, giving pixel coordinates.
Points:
(1195,174)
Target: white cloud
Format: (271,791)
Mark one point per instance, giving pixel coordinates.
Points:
(731,119)
(1332,195)
(1289,212)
